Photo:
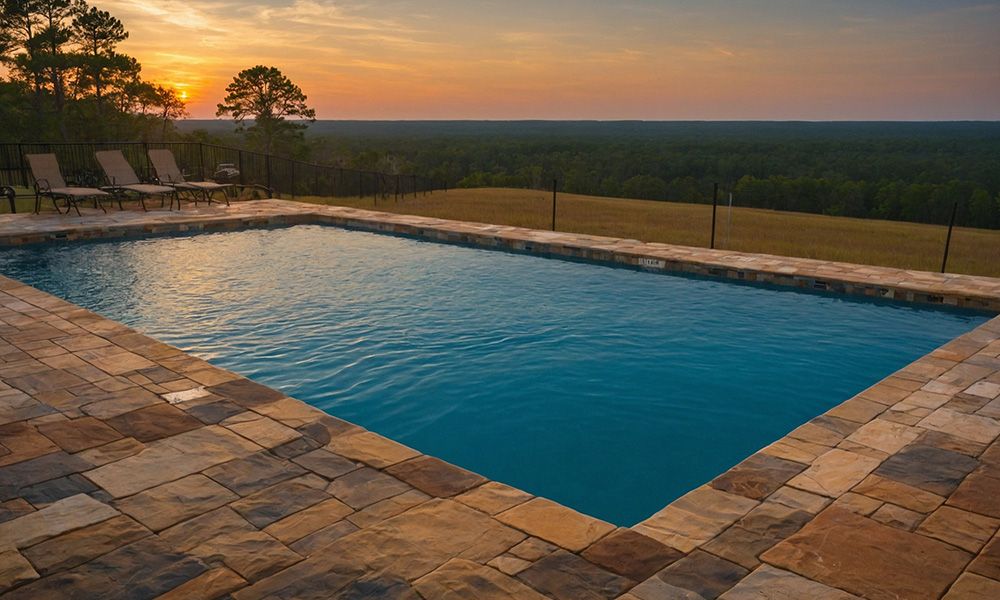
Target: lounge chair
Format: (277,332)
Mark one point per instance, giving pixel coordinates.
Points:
(168,174)
(49,182)
(122,178)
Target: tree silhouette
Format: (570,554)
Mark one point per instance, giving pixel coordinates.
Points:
(268,97)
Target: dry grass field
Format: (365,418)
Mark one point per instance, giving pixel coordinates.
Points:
(865,241)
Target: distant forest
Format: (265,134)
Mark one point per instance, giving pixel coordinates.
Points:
(899,171)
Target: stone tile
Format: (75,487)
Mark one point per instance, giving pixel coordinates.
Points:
(493,497)
(984,389)
(740,546)
(171,458)
(254,473)
(326,463)
(631,554)
(214,412)
(884,435)
(987,563)
(252,554)
(298,525)
(154,422)
(245,392)
(460,579)
(81,545)
(509,565)
(14,570)
(203,528)
(704,574)
(435,477)
(655,588)
(260,429)
(13,509)
(168,504)
(365,486)
(931,469)
(142,569)
(57,518)
(319,540)
(814,434)
(566,576)
(774,520)
(532,549)
(768,583)
(15,477)
(556,523)
(296,447)
(389,507)
(79,434)
(858,503)
(978,494)
(858,410)
(119,403)
(973,587)
(834,473)
(116,450)
(947,441)
(850,552)
(371,448)
(758,476)
(293,413)
(44,381)
(966,530)
(276,502)
(326,428)
(407,547)
(904,495)
(795,450)
(898,517)
(884,393)
(929,400)
(52,490)
(695,518)
(973,427)
(210,584)
(799,499)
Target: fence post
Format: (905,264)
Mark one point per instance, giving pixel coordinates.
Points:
(947,242)
(555,185)
(715,203)
(201,161)
(243,177)
(149,164)
(267,167)
(414,186)
(397,187)
(20,163)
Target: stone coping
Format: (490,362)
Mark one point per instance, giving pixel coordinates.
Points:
(128,467)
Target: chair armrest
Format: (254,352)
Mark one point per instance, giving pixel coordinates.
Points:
(42,185)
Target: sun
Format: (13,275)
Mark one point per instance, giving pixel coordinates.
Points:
(183,95)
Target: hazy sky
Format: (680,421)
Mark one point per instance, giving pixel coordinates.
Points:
(586,59)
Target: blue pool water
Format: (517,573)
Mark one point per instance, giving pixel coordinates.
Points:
(610,390)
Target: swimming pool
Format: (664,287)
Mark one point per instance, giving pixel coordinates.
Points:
(610,390)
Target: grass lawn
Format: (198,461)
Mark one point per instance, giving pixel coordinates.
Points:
(865,241)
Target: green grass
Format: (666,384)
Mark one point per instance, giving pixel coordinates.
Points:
(865,241)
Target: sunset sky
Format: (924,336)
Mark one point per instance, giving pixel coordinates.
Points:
(585,59)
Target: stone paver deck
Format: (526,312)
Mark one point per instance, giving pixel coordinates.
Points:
(131,469)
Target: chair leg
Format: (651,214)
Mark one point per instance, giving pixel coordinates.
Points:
(142,201)
(55,204)
(75,205)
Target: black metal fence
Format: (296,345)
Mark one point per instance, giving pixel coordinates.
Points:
(199,161)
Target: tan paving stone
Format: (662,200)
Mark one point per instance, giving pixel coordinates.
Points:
(556,523)
(565,576)
(509,565)
(435,477)
(119,403)
(793,449)
(834,473)
(814,434)
(168,504)
(254,473)
(631,554)
(702,573)
(758,476)
(898,517)
(153,422)
(298,525)
(978,493)
(460,579)
(884,435)
(655,588)
(973,587)
(327,464)
(81,545)
(57,518)
(365,487)
(768,583)
(493,497)
(987,563)
(278,501)
(973,427)
(102,455)
(371,448)
(931,469)
(856,554)
(319,540)
(14,570)
(532,549)
(390,507)
(262,430)
(171,458)
(966,530)
(79,434)
(858,410)
(904,495)
(695,518)
(207,586)
(252,554)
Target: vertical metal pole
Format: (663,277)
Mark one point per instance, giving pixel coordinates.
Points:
(947,242)
(555,185)
(397,187)
(715,204)
(201,162)
(267,166)
(414,186)
(729,226)
(20,161)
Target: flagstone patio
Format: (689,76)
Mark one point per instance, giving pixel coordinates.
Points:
(131,469)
